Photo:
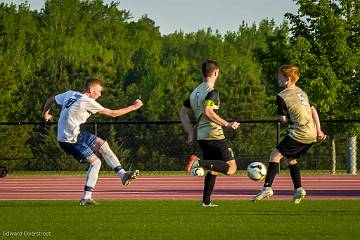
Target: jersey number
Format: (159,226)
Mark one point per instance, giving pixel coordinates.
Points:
(70,102)
(302,99)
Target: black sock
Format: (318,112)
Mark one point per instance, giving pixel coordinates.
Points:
(118,168)
(209,184)
(215,165)
(295,175)
(271,173)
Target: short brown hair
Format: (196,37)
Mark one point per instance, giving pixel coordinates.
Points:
(290,71)
(208,67)
(91,81)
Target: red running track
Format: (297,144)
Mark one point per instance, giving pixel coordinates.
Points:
(173,187)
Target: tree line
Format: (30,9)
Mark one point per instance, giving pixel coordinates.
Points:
(44,52)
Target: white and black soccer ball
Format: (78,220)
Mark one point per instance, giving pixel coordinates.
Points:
(256,171)
(198,171)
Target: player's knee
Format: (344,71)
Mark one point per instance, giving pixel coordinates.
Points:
(232,169)
(99,144)
(292,162)
(95,161)
(276,156)
(104,148)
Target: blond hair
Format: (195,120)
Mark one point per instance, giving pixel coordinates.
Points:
(290,71)
(91,81)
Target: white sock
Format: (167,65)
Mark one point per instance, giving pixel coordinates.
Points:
(87,195)
(91,178)
(121,173)
(109,156)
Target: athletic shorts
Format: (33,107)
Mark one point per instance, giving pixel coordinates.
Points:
(216,150)
(293,149)
(82,149)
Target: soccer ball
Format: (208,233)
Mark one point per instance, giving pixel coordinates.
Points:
(256,171)
(198,171)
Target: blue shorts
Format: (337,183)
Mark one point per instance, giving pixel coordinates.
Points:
(82,149)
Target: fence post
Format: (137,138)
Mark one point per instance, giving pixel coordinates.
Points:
(95,129)
(351,155)
(333,155)
(277,133)
(278,140)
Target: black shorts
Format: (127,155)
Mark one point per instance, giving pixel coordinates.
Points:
(216,150)
(293,149)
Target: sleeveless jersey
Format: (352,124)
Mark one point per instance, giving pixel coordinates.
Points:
(294,103)
(203,96)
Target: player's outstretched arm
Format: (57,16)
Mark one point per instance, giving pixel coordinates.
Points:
(122,111)
(213,117)
(46,110)
(320,134)
(186,123)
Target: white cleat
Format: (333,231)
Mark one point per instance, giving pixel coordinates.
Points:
(209,205)
(266,192)
(88,201)
(193,162)
(299,195)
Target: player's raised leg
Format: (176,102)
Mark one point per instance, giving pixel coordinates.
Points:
(213,165)
(113,162)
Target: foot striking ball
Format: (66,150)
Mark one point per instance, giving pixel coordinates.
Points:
(3,172)
(256,171)
(198,171)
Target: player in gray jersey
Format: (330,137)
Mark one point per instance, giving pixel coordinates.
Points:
(76,108)
(218,157)
(293,108)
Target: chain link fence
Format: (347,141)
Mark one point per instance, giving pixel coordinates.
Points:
(161,146)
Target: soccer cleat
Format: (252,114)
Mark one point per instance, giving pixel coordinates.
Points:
(192,163)
(209,205)
(299,194)
(266,192)
(88,201)
(129,176)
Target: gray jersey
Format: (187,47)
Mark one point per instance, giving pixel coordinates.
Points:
(203,96)
(294,103)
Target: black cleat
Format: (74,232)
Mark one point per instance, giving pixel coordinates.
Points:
(129,176)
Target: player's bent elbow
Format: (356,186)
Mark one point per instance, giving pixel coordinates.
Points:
(111,113)
(283,120)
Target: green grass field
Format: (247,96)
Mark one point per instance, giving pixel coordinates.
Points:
(138,219)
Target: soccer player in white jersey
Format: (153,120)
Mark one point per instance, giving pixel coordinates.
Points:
(76,108)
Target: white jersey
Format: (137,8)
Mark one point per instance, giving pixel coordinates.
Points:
(76,109)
